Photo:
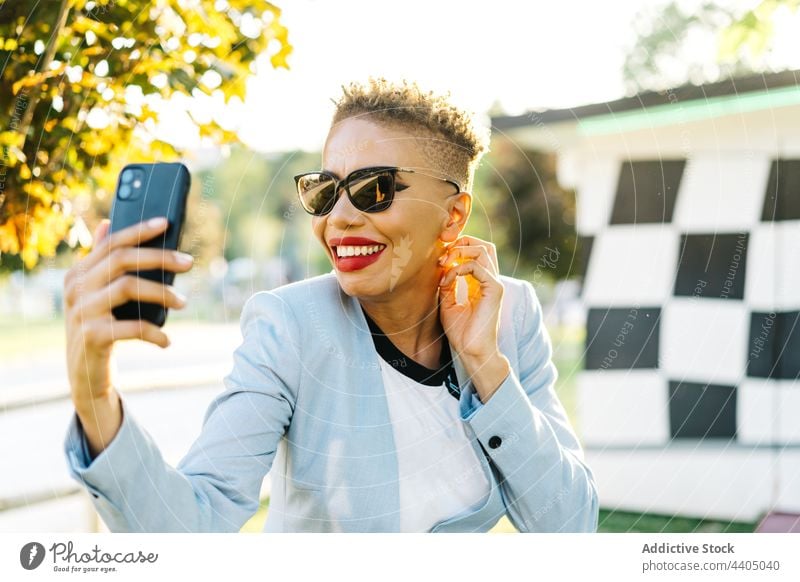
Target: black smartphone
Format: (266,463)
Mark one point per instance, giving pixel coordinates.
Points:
(145,191)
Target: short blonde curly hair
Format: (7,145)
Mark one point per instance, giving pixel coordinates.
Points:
(450,137)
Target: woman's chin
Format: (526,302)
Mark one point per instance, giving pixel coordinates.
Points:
(359,284)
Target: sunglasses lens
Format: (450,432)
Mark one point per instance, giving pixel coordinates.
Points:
(317,193)
(372,192)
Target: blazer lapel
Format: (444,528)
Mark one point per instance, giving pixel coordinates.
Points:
(375,483)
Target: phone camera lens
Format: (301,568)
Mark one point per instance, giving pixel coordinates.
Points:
(127,176)
(124,192)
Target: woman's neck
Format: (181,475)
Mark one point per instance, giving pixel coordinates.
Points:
(411,321)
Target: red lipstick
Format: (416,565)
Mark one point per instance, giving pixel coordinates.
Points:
(354,262)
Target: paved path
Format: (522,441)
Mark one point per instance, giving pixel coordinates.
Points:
(168,391)
(198,353)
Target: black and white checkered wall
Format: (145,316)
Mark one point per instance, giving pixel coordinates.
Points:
(692,286)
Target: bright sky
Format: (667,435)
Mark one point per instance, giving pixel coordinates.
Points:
(526,55)
(523,54)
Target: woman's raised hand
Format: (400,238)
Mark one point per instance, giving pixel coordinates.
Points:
(472,326)
(98,283)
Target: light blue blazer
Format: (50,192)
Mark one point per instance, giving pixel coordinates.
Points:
(306,399)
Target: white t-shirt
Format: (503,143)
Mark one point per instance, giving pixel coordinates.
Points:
(439,471)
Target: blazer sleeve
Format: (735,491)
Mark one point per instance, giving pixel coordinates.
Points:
(523,428)
(216,486)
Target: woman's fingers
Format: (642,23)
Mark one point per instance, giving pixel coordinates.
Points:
(490,247)
(81,282)
(98,283)
(479,253)
(101,231)
(100,333)
(126,259)
(130,288)
(481,264)
(83,278)
(131,236)
(471,267)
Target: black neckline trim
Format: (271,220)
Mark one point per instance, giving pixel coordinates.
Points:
(392,355)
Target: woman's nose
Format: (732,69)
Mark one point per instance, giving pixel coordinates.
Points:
(343,213)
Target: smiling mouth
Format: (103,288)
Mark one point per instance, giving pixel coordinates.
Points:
(343,251)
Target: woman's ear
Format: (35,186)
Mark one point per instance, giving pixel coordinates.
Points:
(458,211)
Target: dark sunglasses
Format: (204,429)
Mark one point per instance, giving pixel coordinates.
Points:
(369,189)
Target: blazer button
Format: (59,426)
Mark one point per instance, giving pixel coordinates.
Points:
(495,442)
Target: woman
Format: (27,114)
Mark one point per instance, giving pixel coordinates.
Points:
(380,398)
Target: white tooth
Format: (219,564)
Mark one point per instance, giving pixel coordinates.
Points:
(353,251)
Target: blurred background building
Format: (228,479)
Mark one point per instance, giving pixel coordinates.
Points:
(688,208)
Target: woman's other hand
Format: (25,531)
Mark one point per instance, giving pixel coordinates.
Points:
(472,326)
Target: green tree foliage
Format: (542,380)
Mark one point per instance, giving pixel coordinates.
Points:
(260,212)
(660,57)
(520,206)
(678,43)
(81,84)
(749,36)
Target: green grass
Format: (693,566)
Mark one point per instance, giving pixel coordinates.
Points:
(256,523)
(626,521)
(610,522)
(21,338)
(29,338)
(568,358)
